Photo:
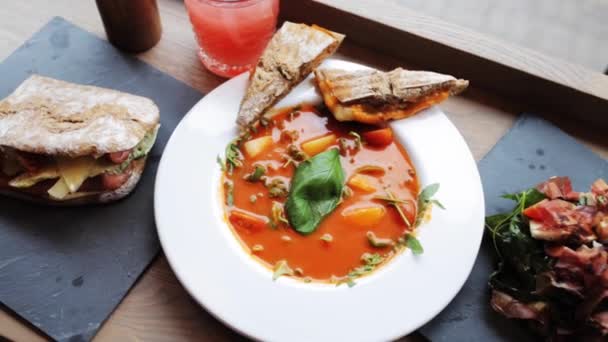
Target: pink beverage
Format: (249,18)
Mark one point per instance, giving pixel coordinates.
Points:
(232,34)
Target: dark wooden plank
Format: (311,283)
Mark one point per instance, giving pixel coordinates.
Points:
(538,82)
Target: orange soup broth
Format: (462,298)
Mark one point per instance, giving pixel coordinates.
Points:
(320,260)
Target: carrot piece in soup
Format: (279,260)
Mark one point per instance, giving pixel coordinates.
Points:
(364,216)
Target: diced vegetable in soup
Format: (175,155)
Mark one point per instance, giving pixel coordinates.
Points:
(312,198)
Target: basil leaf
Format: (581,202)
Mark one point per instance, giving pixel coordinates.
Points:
(315,191)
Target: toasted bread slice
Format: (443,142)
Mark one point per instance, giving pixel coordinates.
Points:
(374,97)
(291,55)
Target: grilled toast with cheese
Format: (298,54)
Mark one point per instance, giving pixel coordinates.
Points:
(374,97)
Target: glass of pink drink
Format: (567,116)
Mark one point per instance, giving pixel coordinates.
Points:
(232,34)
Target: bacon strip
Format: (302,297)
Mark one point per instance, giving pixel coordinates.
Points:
(600,187)
(32,162)
(588,266)
(119,157)
(559,220)
(557,187)
(537,312)
(600,321)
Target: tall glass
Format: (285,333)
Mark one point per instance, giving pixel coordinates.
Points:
(232,34)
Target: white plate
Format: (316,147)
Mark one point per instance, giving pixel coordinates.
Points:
(221,276)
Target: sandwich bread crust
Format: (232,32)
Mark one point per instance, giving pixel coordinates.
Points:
(48,116)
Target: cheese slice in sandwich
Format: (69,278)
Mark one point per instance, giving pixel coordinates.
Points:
(64,143)
(291,55)
(374,97)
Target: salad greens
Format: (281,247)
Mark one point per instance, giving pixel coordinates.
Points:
(370,262)
(257,174)
(414,244)
(234,158)
(141,150)
(425,200)
(229,191)
(522,257)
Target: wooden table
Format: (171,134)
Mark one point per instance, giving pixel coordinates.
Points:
(158,308)
(549,26)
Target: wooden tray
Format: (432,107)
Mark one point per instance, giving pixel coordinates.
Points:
(506,80)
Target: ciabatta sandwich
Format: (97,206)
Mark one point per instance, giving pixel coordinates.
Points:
(64,143)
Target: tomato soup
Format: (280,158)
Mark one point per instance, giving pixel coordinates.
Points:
(364,225)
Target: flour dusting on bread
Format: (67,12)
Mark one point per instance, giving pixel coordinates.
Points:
(48,116)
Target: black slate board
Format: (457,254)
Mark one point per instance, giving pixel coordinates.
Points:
(531,152)
(65,269)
